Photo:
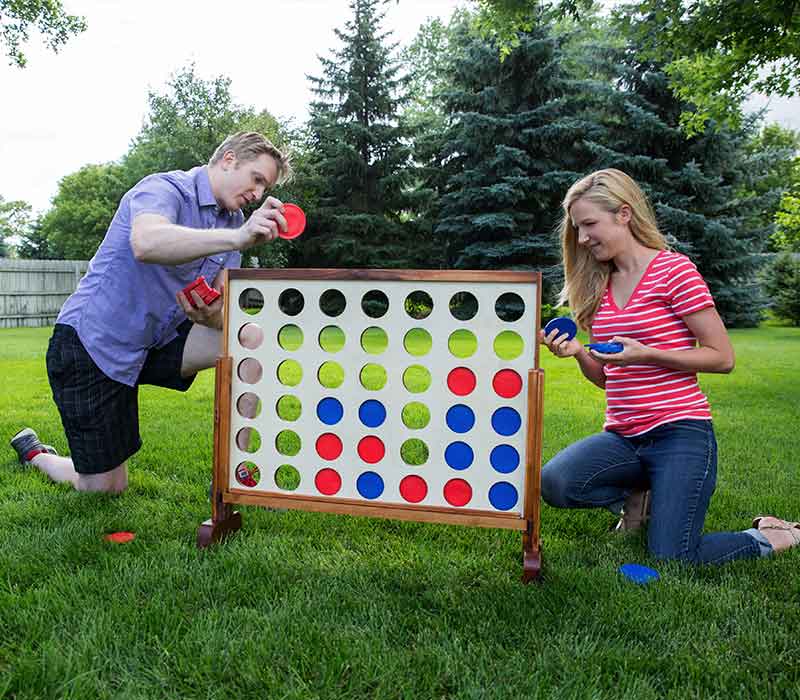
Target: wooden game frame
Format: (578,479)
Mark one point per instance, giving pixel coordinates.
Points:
(225,520)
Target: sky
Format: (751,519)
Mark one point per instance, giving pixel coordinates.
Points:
(85,104)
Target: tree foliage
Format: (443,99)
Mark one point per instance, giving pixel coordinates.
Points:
(787,218)
(523,128)
(361,145)
(187,121)
(717,52)
(82,210)
(782,283)
(771,170)
(16,222)
(48,17)
(504,21)
(510,151)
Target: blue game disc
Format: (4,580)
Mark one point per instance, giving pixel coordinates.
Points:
(330,411)
(503,496)
(370,485)
(606,348)
(460,418)
(458,455)
(372,413)
(506,421)
(504,459)
(638,573)
(564,324)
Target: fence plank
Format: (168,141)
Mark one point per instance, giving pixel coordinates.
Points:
(32,291)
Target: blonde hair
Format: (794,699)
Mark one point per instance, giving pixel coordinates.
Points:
(249,145)
(585,279)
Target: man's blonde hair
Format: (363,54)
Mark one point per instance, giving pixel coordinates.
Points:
(585,279)
(249,145)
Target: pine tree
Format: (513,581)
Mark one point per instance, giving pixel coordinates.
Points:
(511,151)
(363,157)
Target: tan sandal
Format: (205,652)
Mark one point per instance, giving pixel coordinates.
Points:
(635,512)
(781,534)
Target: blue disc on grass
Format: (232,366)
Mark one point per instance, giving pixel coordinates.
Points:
(564,324)
(504,459)
(370,485)
(503,496)
(460,418)
(506,421)
(458,455)
(638,573)
(372,413)
(330,411)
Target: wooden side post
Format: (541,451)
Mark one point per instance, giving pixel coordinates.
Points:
(224,520)
(531,545)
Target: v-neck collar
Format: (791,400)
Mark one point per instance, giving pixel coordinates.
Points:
(635,291)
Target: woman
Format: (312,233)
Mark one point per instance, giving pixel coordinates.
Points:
(657,451)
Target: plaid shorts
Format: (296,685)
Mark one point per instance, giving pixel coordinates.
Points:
(101,416)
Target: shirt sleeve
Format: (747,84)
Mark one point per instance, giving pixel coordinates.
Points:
(156,196)
(233,259)
(687,290)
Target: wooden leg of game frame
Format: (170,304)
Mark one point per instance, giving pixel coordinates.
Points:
(531,544)
(224,520)
(531,560)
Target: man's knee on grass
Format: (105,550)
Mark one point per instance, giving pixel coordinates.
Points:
(114,481)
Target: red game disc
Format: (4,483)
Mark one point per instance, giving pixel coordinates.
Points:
(507,383)
(413,488)
(457,492)
(328,481)
(329,446)
(295,221)
(120,537)
(371,449)
(461,381)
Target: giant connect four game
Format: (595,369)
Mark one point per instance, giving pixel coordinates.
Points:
(405,394)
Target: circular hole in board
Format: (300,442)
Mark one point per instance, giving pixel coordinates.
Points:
(250,336)
(463,306)
(248,405)
(291,302)
(251,301)
(375,303)
(290,337)
(509,307)
(332,302)
(419,305)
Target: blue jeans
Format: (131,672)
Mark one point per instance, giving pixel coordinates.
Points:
(677,461)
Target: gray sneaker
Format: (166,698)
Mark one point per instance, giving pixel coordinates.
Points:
(27,441)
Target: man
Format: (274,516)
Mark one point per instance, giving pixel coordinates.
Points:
(128,323)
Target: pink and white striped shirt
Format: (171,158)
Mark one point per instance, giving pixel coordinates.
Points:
(642,397)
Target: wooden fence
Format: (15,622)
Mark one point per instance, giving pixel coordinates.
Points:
(32,291)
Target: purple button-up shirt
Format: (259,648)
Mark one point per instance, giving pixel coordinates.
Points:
(124,307)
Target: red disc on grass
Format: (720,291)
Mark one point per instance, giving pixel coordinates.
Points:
(120,537)
(295,221)
(371,449)
(329,446)
(413,488)
(461,381)
(328,481)
(457,492)
(507,383)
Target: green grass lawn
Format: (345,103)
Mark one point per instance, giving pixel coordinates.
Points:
(300,605)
